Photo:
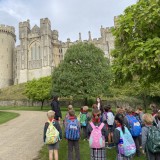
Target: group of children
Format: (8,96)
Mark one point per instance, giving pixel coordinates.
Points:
(126,130)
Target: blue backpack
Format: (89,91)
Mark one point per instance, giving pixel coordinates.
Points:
(72,131)
(135,126)
(126,144)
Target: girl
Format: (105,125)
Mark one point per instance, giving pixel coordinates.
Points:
(119,141)
(97,153)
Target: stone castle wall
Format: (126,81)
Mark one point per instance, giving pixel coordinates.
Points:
(7,46)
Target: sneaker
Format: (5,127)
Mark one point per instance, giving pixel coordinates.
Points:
(109,146)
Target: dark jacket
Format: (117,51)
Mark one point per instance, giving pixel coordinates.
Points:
(56,109)
(56,125)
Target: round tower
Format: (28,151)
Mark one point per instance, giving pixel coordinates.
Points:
(7,46)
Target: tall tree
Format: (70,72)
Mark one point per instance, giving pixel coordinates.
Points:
(39,90)
(137,43)
(84,72)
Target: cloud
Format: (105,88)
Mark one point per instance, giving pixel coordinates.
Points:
(69,17)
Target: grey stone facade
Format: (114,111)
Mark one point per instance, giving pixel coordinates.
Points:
(39,51)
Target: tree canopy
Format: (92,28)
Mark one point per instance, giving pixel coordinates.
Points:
(39,90)
(83,73)
(137,43)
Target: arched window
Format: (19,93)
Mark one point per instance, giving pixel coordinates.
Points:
(35,51)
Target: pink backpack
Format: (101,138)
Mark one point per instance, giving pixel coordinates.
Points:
(96,139)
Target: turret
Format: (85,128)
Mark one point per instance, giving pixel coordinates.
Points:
(24,29)
(55,34)
(89,34)
(45,26)
(80,38)
(8,38)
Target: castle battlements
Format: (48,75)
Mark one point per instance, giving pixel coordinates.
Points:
(45,20)
(8,29)
(25,24)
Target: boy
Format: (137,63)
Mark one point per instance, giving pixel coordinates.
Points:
(84,119)
(72,134)
(53,148)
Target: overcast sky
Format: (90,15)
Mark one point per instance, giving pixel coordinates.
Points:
(69,17)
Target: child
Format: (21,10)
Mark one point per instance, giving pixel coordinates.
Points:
(70,107)
(84,119)
(72,131)
(124,149)
(148,121)
(108,119)
(100,152)
(135,129)
(53,148)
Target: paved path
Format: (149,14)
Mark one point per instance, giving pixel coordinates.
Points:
(22,137)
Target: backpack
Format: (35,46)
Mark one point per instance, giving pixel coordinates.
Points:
(126,144)
(110,118)
(135,127)
(96,139)
(83,119)
(104,117)
(153,139)
(52,134)
(72,131)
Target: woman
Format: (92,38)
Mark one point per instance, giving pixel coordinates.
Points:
(56,108)
(99,105)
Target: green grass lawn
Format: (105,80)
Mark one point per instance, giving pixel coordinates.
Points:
(6,116)
(84,152)
(43,154)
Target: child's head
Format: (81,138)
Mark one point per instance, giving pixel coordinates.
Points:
(71,112)
(107,108)
(119,119)
(120,110)
(85,108)
(158,115)
(96,114)
(50,114)
(147,119)
(94,106)
(70,107)
(128,110)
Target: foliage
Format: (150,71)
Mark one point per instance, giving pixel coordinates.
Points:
(137,43)
(39,90)
(84,72)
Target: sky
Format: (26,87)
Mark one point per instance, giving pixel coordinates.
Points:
(69,17)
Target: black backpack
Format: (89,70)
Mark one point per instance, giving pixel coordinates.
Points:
(153,139)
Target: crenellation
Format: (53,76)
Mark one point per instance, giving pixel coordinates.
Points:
(8,29)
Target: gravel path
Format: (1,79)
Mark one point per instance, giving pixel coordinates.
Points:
(22,137)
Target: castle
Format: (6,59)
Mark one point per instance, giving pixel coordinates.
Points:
(39,51)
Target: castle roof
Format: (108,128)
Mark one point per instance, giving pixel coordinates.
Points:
(35,29)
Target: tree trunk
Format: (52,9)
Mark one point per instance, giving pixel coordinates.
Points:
(85,101)
(42,104)
(144,102)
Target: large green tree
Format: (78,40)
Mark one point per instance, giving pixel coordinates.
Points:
(84,73)
(137,43)
(39,90)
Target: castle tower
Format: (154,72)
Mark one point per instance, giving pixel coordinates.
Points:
(46,34)
(24,30)
(7,45)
